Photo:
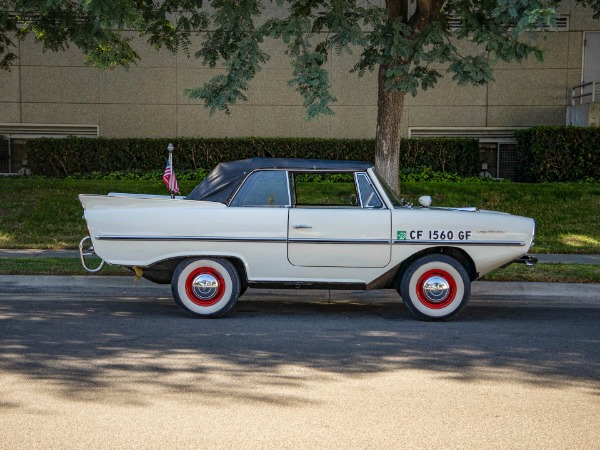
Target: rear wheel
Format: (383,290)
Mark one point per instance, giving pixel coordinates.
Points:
(435,287)
(205,287)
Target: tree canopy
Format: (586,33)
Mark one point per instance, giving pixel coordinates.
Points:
(411,43)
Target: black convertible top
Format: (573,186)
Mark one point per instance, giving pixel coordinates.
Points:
(220,184)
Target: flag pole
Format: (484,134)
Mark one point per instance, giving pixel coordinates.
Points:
(171,179)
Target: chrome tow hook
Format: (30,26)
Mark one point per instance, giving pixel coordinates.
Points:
(88,252)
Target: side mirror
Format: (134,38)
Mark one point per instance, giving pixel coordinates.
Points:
(425,200)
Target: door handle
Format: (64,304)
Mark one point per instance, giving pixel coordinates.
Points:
(301,226)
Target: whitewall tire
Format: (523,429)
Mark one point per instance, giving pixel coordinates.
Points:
(205,287)
(435,287)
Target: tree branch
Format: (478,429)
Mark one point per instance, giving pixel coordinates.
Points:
(427,12)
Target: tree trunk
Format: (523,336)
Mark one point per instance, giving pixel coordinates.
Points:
(390,107)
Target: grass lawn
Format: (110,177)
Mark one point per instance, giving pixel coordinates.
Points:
(548,273)
(567,214)
(56,266)
(45,213)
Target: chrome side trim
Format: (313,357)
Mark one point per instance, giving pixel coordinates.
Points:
(480,243)
(340,241)
(307,240)
(190,238)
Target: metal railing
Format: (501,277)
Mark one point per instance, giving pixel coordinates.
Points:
(585,95)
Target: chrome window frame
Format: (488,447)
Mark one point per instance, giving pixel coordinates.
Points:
(375,191)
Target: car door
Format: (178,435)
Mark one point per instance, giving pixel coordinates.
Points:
(350,228)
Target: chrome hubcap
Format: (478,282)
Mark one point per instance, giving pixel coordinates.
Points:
(205,286)
(436,289)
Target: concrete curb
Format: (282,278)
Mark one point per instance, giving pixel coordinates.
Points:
(126,286)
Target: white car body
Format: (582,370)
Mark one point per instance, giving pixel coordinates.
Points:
(291,245)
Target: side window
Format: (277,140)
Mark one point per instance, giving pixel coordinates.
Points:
(368,196)
(264,188)
(325,189)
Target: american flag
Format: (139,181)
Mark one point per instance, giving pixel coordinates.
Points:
(170,173)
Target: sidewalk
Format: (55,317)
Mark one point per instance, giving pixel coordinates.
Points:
(34,253)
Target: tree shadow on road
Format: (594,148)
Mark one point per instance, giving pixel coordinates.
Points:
(99,350)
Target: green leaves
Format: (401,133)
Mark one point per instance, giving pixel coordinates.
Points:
(99,27)
(129,158)
(415,51)
(560,153)
(308,21)
(8,23)
(471,70)
(312,82)
(235,41)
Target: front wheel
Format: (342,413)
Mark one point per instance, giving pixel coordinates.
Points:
(435,287)
(205,287)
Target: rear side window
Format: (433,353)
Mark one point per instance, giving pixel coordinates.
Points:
(264,188)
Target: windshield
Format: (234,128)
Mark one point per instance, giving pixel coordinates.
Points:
(389,192)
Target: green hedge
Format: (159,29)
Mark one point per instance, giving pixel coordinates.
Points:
(65,157)
(559,153)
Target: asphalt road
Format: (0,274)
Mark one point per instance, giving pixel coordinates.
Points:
(125,369)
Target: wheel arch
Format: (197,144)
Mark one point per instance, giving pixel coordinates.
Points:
(161,272)
(458,254)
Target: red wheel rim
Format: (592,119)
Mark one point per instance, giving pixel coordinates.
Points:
(213,295)
(424,290)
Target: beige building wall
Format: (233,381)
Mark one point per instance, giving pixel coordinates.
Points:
(147,100)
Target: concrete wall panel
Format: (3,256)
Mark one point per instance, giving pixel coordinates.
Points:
(190,79)
(138,120)
(575,50)
(526,116)
(447,116)
(10,112)
(140,85)
(149,56)
(32,54)
(270,87)
(277,57)
(64,113)
(191,62)
(354,122)
(582,19)
(194,121)
(59,84)
(351,90)
(9,85)
(529,87)
(447,92)
(556,52)
(288,121)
